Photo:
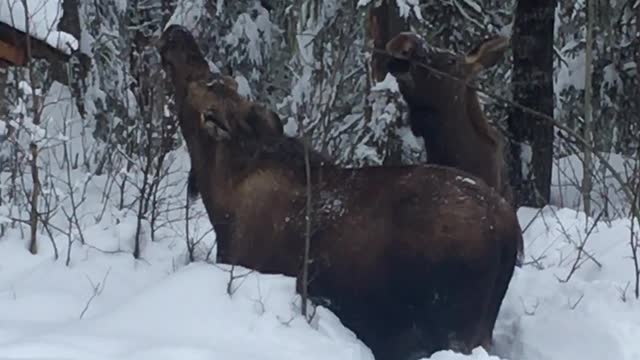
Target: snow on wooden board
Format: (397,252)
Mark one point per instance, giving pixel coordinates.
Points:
(44,16)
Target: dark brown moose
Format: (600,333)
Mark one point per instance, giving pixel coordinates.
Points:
(413,259)
(444,111)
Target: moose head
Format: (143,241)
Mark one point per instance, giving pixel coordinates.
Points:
(440,74)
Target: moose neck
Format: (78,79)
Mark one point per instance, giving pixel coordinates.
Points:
(187,115)
(202,150)
(223,169)
(236,165)
(442,121)
(181,76)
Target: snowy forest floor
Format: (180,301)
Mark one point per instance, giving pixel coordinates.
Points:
(109,306)
(106,305)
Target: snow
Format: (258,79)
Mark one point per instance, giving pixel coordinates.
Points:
(476,354)
(254,35)
(44,16)
(593,315)
(474,5)
(389,83)
(566,180)
(187,14)
(465,179)
(290,128)
(573,73)
(147,311)
(244,89)
(406,6)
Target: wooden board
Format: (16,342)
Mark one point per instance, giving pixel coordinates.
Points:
(11,54)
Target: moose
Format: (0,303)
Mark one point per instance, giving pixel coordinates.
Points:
(413,259)
(444,111)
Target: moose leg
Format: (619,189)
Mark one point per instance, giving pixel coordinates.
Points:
(192,186)
(459,314)
(412,342)
(369,322)
(362,314)
(223,241)
(508,263)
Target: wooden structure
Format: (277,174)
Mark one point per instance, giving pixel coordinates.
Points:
(13,48)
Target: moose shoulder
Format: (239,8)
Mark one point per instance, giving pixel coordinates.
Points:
(413,259)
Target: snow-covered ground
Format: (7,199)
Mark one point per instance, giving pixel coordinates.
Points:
(109,306)
(106,305)
(153,309)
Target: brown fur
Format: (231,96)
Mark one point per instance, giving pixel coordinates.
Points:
(446,113)
(413,259)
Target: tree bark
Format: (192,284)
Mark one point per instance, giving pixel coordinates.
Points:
(81,63)
(70,19)
(638,43)
(587,185)
(532,86)
(384,23)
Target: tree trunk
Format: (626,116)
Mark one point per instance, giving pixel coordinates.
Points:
(70,19)
(587,185)
(532,86)
(80,62)
(638,44)
(4,98)
(33,147)
(384,23)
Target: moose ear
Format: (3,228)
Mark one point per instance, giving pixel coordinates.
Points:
(486,54)
(274,122)
(264,122)
(227,70)
(407,45)
(230,82)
